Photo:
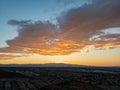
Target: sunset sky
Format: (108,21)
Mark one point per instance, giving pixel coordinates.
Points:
(84,32)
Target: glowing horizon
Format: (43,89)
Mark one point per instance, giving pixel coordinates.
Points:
(73,32)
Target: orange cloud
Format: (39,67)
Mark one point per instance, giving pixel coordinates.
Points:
(77,29)
(6,56)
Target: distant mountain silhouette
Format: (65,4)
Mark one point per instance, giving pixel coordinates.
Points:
(52,65)
(42,65)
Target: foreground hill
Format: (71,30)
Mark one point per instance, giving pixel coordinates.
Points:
(7,74)
(59,77)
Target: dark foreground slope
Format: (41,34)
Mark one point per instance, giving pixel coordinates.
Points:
(72,85)
(59,78)
(10,74)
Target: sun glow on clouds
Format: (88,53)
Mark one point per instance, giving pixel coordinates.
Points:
(88,28)
(96,58)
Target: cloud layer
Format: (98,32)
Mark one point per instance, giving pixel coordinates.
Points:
(6,56)
(78,28)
